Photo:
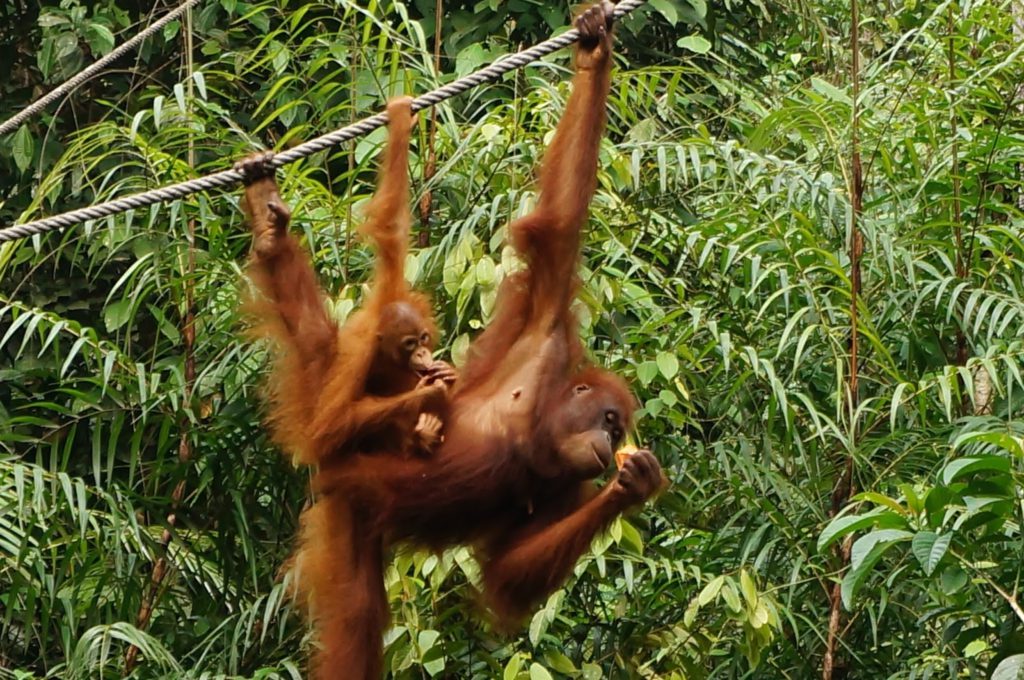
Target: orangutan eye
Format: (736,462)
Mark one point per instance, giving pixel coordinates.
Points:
(580,389)
(425,338)
(409,344)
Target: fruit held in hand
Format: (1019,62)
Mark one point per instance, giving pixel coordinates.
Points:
(622,454)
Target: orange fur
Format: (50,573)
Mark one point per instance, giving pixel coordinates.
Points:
(512,478)
(529,424)
(337,391)
(341,585)
(329,391)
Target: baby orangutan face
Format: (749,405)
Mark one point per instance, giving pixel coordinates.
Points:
(404,339)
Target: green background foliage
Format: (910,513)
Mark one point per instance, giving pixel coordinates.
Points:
(717,279)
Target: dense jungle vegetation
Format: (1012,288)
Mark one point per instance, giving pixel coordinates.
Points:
(805,254)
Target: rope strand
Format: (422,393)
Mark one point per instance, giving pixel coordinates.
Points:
(15,121)
(231,177)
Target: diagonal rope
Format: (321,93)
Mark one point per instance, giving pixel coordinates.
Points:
(15,121)
(231,177)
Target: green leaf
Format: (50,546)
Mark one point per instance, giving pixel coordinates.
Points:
(668,364)
(117,314)
(45,59)
(1004,440)
(897,402)
(694,43)
(665,9)
(512,667)
(710,591)
(369,144)
(22,148)
(830,91)
(426,639)
(748,588)
(730,596)
(75,348)
(171,30)
(158,109)
(538,672)
(975,647)
(486,272)
(179,96)
(100,39)
(200,81)
(881,499)
(846,524)
(260,20)
(281,56)
(1010,668)
(631,538)
(470,59)
(866,552)
(560,662)
(929,548)
(51,20)
(863,546)
(169,330)
(700,8)
(538,626)
(646,372)
(953,578)
(962,466)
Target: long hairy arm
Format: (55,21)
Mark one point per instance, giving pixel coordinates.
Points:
(527,564)
(287,307)
(549,237)
(535,303)
(388,219)
(345,411)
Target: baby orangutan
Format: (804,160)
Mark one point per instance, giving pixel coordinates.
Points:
(371,385)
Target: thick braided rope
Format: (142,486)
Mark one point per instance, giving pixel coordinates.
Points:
(70,84)
(231,177)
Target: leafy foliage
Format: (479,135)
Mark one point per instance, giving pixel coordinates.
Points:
(717,279)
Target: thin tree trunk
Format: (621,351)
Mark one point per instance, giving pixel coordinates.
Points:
(844,485)
(427,201)
(161,567)
(1017,10)
(956,216)
(351,158)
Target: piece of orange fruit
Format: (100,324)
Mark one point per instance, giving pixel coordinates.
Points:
(622,454)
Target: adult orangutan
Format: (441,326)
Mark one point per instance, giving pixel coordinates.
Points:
(530,423)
